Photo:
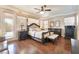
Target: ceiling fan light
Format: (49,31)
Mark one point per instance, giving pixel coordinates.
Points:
(41,12)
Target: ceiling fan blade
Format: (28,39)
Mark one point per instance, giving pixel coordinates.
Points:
(42,8)
(36,9)
(47,9)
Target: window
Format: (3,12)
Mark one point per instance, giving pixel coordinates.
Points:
(9,21)
(9,26)
(69,21)
(45,24)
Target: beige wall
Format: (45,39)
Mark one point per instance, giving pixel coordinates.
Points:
(21,21)
(32,20)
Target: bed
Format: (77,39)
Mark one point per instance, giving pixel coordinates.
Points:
(37,33)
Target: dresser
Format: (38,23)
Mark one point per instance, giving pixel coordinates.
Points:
(56,30)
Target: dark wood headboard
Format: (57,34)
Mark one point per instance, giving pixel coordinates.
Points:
(33,24)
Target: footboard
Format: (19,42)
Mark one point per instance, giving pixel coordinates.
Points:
(44,36)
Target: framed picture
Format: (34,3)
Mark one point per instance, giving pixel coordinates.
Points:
(51,24)
(57,23)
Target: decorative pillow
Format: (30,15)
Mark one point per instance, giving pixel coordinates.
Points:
(37,29)
(46,35)
(30,29)
(51,33)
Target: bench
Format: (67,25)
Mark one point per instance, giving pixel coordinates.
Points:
(53,37)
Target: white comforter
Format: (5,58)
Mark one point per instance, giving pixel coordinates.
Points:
(37,34)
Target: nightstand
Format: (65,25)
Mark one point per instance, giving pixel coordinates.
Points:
(22,35)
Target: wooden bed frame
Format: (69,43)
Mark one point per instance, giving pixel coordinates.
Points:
(43,39)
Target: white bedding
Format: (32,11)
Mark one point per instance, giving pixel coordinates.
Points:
(37,34)
(32,33)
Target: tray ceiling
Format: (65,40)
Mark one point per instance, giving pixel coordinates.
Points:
(56,9)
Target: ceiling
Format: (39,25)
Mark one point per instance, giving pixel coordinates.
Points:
(57,10)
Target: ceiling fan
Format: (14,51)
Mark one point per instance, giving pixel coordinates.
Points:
(43,8)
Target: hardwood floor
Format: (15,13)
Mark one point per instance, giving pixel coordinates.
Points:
(30,46)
